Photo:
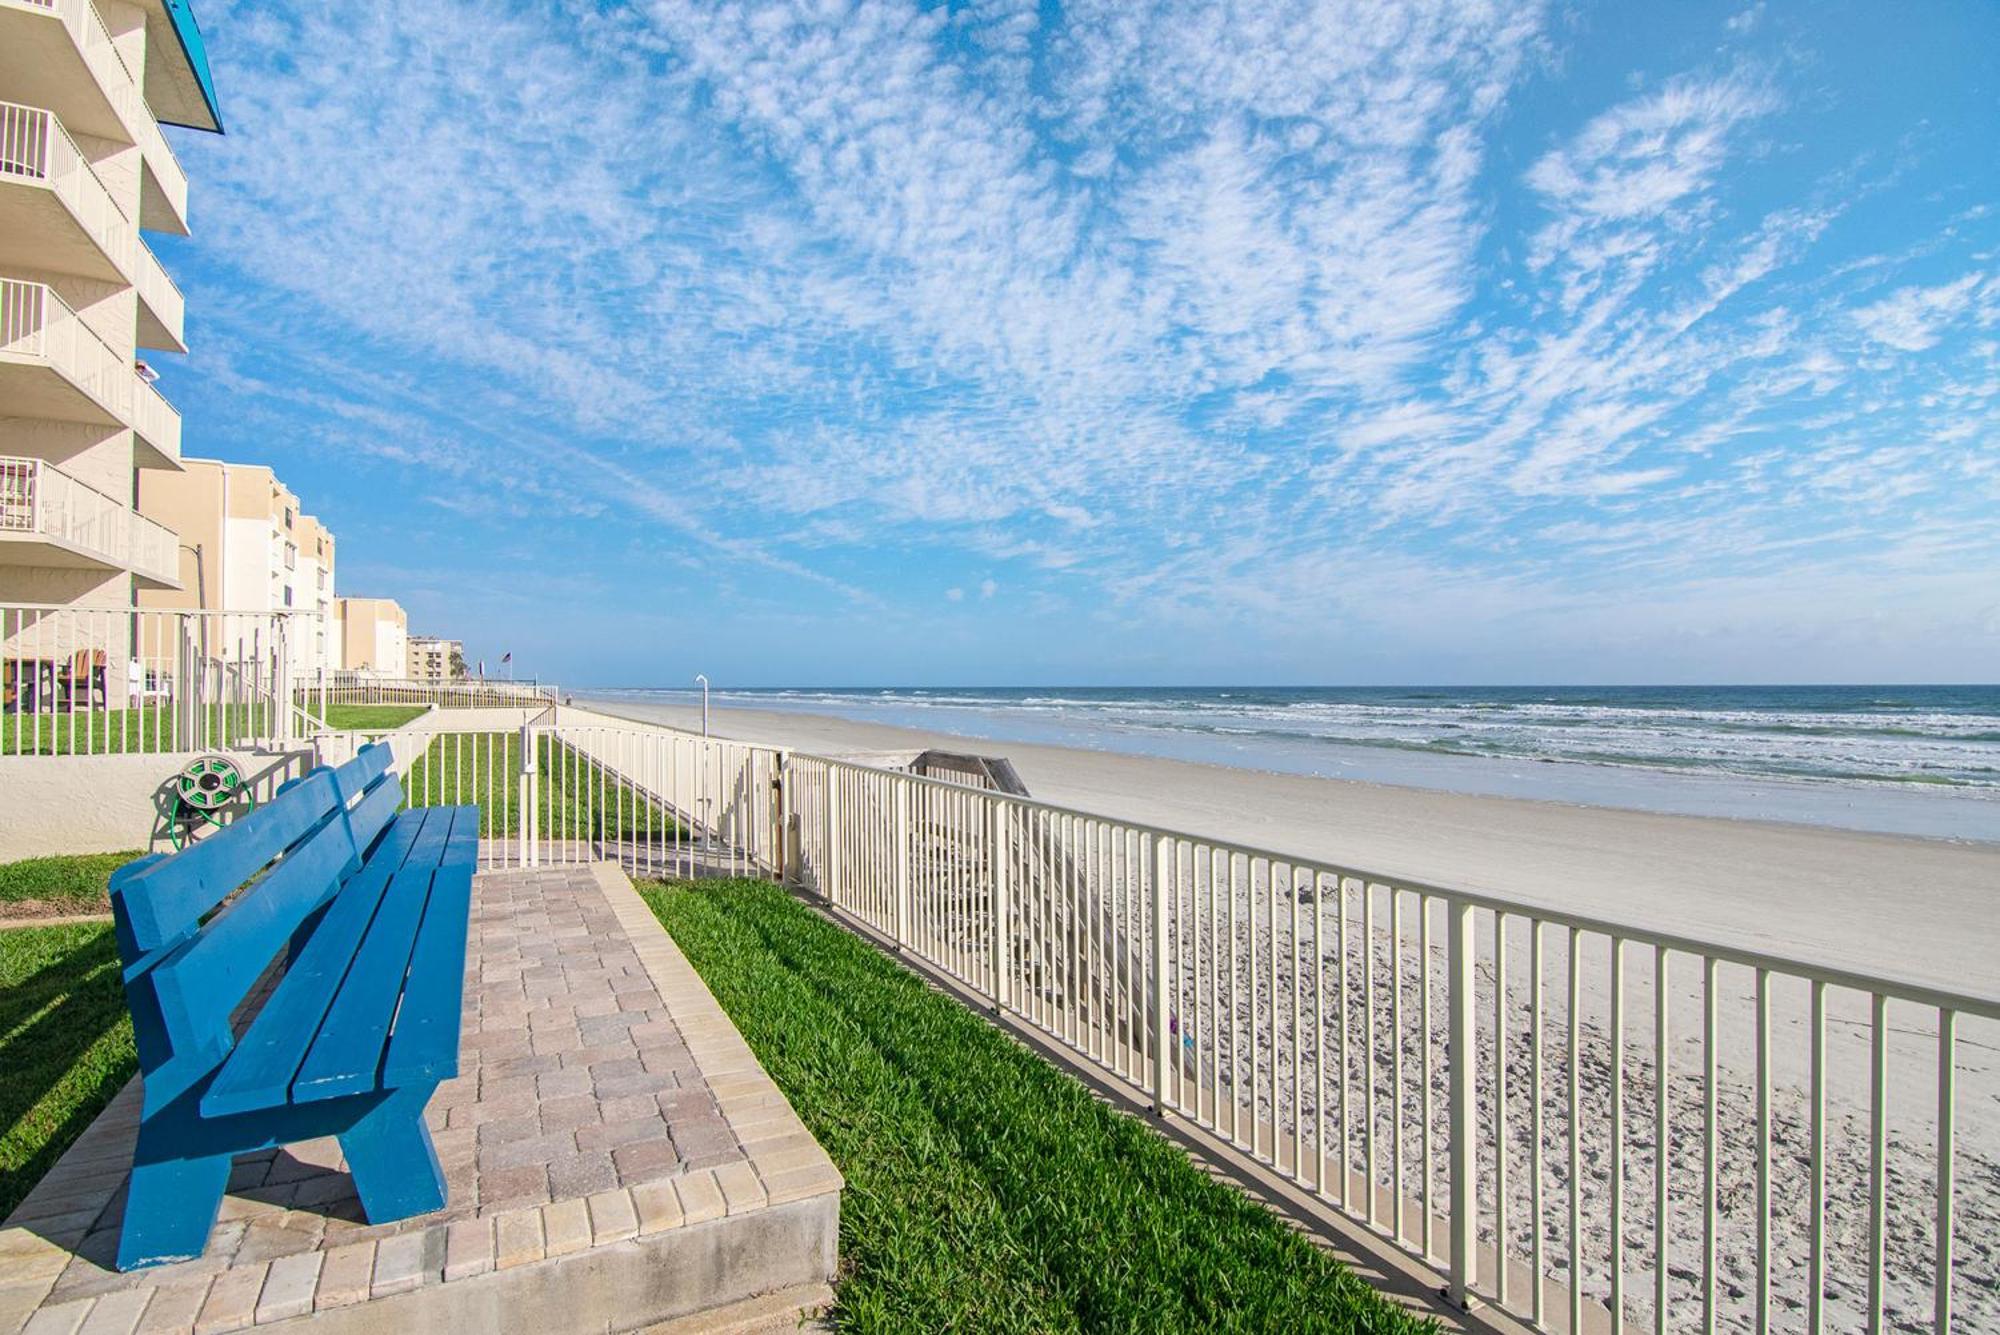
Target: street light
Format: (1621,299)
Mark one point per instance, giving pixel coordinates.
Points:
(703,679)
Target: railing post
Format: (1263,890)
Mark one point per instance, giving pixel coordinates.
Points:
(1163,852)
(999,833)
(902,790)
(832,887)
(1462,1095)
(281,702)
(775,854)
(528,824)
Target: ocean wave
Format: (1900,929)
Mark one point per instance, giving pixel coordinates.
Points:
(1940,737)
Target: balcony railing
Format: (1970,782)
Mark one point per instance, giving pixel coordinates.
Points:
(40,499)
(161,296)
(154,419)
(35,147)
(122,87)
(37,324)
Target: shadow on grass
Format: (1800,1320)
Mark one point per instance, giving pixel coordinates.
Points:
(65,1046)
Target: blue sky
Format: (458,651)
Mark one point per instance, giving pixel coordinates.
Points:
(820,343)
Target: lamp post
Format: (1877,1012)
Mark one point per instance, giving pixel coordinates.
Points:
(703,679)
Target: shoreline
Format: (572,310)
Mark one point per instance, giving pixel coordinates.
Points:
(1959,812)
(1922,910)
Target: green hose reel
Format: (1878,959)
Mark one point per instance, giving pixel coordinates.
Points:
(210,791)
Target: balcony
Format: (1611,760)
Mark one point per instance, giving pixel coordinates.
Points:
(162,308)
(57,54)
(48,518)
(54,366)
(56,214)
(156,428)
(54,211)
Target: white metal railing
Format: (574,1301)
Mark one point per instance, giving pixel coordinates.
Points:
(37,497)
(159,291)
(36,323)
(35,147)
(122,87)
(1585,1123)
(113,680)
(154,418)
(659,802)
(1312,1015)
(360,688)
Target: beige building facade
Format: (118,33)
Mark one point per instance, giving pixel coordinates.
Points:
(84,171)
(315,595)
(245,546)
(435,659)
(374,636)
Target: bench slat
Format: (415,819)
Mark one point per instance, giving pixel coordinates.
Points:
(462,850)
(346,1056)
(372,814)
(162,900)
(368,765)
(201,984)
(424,1046)
(259,1072)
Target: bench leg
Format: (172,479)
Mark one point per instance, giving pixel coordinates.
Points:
(389,1151)
(170,1208)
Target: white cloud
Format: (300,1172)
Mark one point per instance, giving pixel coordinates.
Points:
(1911,319)
(1639,158)
(1131,304)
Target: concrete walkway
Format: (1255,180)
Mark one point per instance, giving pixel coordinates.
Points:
(615,1155)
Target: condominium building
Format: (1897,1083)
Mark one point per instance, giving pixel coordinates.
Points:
(374,636)
(315,596)
(435,659)
(84,170)
(245,547)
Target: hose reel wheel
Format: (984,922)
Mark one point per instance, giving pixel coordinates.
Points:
(209,783)
(209,793)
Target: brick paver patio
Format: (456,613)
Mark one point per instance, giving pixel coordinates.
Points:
(607,1121)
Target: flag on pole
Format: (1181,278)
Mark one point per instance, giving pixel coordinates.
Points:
(506,658)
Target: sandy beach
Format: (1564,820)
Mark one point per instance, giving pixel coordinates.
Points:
(1922,910)
(1918,911)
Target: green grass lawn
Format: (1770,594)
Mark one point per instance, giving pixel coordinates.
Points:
(986,1189)
(65,1045)
(578,799)
(369,718)
(149,728)
(71,883)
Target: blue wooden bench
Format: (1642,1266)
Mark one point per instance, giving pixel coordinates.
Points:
(370,909)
